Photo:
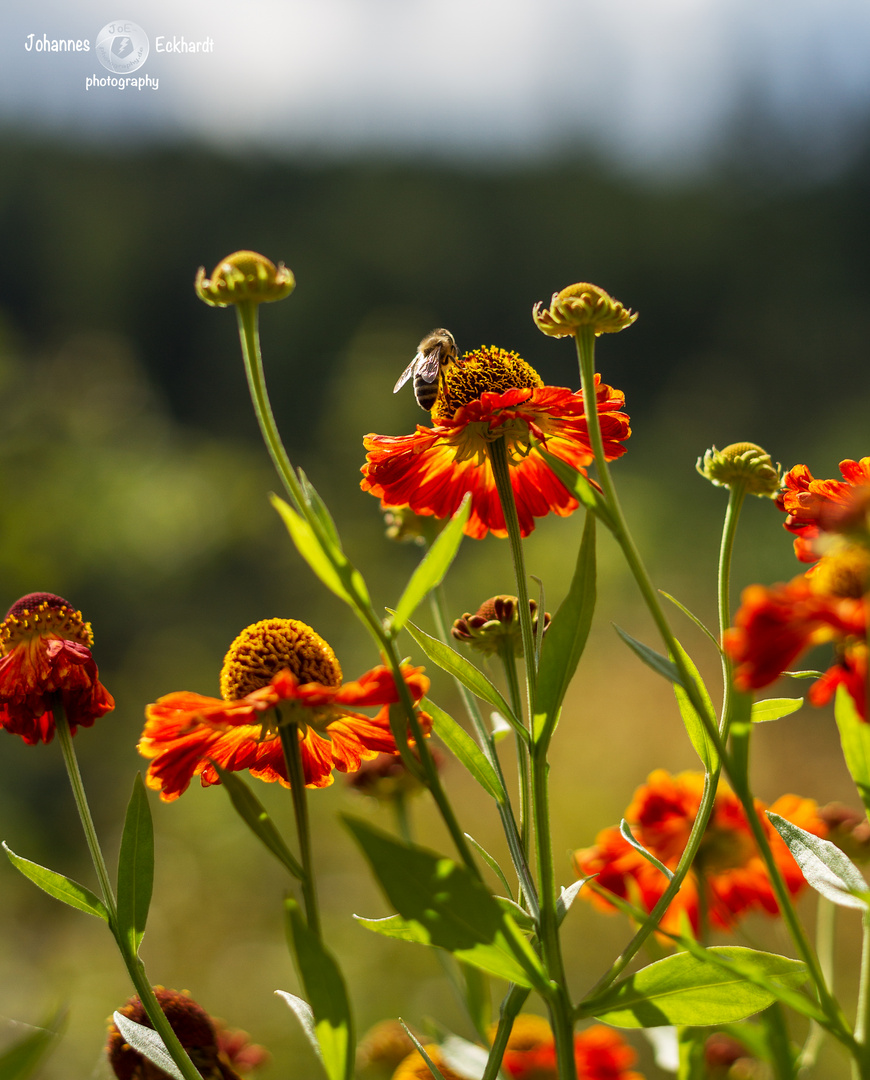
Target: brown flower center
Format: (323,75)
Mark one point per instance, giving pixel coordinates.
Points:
(273,645)
(43,615)
(485,369)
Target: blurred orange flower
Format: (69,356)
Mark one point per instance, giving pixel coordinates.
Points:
(728,866)
(815,506)
(599,1051)
(489,394)
(45,659)
(185,732)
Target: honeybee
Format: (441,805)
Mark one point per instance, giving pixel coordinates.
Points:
(435,352)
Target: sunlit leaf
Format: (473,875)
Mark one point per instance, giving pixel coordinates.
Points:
(695,729)
(774,709)
(253,813)
(60,887)
(578,485)
(826,868)
(305,1016)
(148,1043)
(441,903)
(630,838)
(135,866)
(660,664)
(465,749)
(855,741)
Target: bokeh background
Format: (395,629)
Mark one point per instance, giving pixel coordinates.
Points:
(423,164)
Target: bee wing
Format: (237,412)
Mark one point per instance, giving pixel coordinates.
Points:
(406,374)
(429,365)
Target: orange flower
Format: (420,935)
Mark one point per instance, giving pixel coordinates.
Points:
(728,866)
(489,394)
(45,660)
(774,626)
(599,1052)
(815,506)
(276,662)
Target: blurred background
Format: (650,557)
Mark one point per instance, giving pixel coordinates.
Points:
(416,165)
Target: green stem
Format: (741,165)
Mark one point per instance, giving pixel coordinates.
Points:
(249,335)
(509,663)
(861,1066)
(736,496)
(826,923)
(558,1002)
(289,734)
(134,965)
(510,1010)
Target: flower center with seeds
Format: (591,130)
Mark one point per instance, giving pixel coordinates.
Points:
(43,615)
(845,572)
(485,369)
(273,645)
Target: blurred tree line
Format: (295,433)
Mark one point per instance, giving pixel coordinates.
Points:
(133,480)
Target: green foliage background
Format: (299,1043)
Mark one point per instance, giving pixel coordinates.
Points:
(133,482)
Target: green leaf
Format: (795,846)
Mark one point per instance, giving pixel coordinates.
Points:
(630,838)
(567,898)
(465,749)
(809,674)
(432,567)
(855,741)
(695,729)
(566,637)
(774,708)
(683,989)
(20,1060)
(148,1043)
(660,664)
(135,867)
(253,813)
(578,485)
(327,995)
(460,668)
(325,558)
(60,887)
(693,617)
(319,509)
(828,869)
(305,1016)
(441,903)
(491,863)
(421,1050)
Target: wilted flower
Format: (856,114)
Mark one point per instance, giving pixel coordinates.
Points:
(274,663)
(496,621)
(45,661)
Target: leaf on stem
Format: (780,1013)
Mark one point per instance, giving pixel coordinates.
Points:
(465,749)
(327,995)
(855,741)
(440,903)
(695,728)
(685,989)
(253,813)
(578,485)
(824,866)
(430,1064)
(660,664)
(135,867)
(305,1016)
(432,567)
(491,863)
(774,709)
(567,898)
(630,838)
(148,1043)
(690,615)
(460,668)
(59,886)
(566,637)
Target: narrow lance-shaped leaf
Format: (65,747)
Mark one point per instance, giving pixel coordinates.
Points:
(443,904)
(21,1060)
(660,664)
(432,567)
(774,709)
(578,485)
(148,1043)
(855,741)
(683,989)
(459,667)
(60,887)
(253,813)
(629,837)
(465,749)
(566,637)
(826,868)
(326,994)
(695,729)
(305,1015)
(319,509)
(135,866)
(491,863)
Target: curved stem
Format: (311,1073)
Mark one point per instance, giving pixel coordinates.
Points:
(134,965)
(509,663)
(289,735)
(736,496)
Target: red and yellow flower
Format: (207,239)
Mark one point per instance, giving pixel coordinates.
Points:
(599,1052)
(277,671)
(819,506)
(488,395)
(728,867)
(46,661)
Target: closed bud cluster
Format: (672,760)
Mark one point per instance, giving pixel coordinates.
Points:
(495,622)
(741,463)
(582,305)
(244,277)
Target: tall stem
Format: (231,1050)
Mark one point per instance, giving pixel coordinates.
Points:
(289,734)
(134,965)
(509,663)
(736,496)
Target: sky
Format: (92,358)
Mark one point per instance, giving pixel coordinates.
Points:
(656,83)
